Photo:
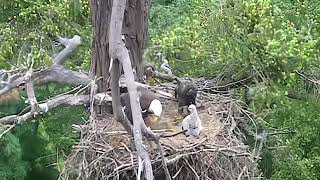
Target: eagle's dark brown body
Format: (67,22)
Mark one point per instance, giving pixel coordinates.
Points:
(185,93)
(147,96)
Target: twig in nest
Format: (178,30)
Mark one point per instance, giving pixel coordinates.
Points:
(174,176)
(131,155)
(125,132)
(241,173)
(171,135)
(193,170)
(164,162)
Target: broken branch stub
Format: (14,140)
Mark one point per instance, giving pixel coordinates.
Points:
(70,45)
(35,109)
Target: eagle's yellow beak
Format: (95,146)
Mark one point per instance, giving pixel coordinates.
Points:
(154,118)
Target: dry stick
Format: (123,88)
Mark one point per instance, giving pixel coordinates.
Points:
(193,170)
(242,171)
(45,107)
(164,162)
(125,132)
(307,78)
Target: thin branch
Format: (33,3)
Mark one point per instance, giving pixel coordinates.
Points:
(35,109)
(307,78)
(164,161)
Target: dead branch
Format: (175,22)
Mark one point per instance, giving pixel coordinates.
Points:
(56,73)
(160,75)
(35,109)
(70,46)
(51,104)
(314,81)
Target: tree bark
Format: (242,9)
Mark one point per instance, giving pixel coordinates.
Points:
(135,29)
(101,14)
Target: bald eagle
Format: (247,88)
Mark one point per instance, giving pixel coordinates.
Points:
(185,93)
(149,102)
(191,124)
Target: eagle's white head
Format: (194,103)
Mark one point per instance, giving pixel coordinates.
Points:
(192,108)
(156,107)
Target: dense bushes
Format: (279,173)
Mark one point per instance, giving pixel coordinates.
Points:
(248,37)
(293,151)
(37,150)
(269,40)
(12,166)
(27,27)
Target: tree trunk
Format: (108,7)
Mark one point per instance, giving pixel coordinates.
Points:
(135,29)
(101,14)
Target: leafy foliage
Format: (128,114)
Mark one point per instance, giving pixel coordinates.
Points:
(297,153)
(249,37)
(269,40)
(41,147)
(181,38)
(12,166)
(27,27)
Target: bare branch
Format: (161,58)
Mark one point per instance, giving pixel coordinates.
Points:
(55,73)
(70,45)
(165,66)
(155,73)
(7,82)
(53,103)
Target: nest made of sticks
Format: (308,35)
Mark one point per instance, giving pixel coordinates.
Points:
(105,151)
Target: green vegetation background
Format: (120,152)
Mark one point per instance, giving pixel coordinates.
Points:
(266,40)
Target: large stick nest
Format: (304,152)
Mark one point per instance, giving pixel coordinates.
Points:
(105,151)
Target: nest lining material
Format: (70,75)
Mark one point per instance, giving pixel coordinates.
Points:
(105,151)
